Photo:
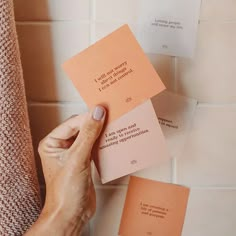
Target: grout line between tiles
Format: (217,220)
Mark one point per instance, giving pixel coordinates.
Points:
(124,186)
(93,2)
(40,103)
(174,171)
(48,22)
(175,74)
(213,21)
(69,103)
(201,104)
(118,186)
(93,13)
(173,161)
(214,188)
(92,20)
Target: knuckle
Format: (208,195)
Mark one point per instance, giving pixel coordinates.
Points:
(72,117)
(42,145)
(84,167)
(91,130)
(72,129)
(75,115)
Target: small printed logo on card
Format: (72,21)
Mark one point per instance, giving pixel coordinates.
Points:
(128,100)
(133,162)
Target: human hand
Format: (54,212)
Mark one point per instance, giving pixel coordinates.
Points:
(65,154)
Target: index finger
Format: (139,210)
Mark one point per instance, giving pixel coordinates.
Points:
(68,128)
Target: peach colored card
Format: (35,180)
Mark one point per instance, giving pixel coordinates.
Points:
(131,143)
(153,208)
(114,72)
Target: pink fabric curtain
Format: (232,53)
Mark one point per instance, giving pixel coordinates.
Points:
(19,190)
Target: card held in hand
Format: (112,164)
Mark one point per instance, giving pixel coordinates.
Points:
(115,73)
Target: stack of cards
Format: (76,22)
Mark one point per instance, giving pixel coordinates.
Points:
(153,208)
(115,73)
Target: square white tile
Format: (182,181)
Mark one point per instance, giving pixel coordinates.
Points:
(209,155)
(41,10)
(102,29)
(110,203)
(218,10)
(210,213)
(44,47)
(210,76)
(116,11)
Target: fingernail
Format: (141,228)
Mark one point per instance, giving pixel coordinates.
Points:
(98,113)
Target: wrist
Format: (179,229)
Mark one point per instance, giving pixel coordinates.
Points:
(62,221)
(56,222)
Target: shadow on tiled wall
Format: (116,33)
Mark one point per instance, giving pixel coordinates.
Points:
(36,65)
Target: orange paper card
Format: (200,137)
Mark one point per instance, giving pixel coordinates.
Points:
(153,208)
(115,73)
(131,143)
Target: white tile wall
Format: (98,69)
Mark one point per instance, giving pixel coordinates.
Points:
(218,10)
(44,10)
(209,155)
(110,203)
(116,11)
(210,76)
(44,47)
(211,213)
(50,31)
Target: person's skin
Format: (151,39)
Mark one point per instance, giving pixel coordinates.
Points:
(70,196)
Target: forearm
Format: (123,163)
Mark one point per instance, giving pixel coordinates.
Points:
(70,195)
(55,223)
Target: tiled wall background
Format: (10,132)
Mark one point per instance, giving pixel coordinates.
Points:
(51,31)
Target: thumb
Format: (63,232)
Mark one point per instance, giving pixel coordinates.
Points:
(89,131)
